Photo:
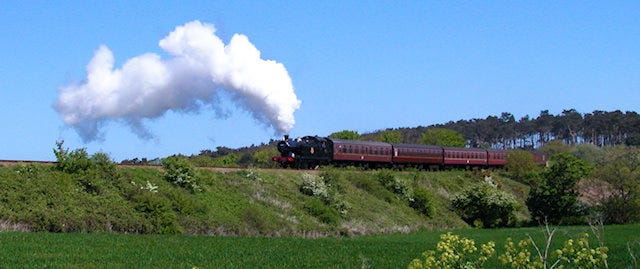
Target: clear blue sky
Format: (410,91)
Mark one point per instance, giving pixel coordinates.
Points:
(357,65)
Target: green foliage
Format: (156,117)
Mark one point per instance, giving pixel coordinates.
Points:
(202,161)
(620,168)
(574,253)
(158,212)
(443,137)
(555,199)
(589,153)
(521,166)
(346,134)
(373,186)
(423,202)
(229,160)
(482,205)
(554,147)
(317,186)
(264,157)
(322,211)
(394,184)
(179,171)
(390,136)
(71,161)
(454,251)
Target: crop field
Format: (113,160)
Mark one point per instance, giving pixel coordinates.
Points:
(104,250)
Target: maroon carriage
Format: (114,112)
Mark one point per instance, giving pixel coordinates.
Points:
(464,157)
(361,153)
(419,156)
(496,157)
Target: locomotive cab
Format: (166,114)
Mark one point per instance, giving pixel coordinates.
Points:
(304,152)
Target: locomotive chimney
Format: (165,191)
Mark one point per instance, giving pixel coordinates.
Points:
(286,137)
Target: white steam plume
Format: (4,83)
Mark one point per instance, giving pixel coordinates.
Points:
(146,86)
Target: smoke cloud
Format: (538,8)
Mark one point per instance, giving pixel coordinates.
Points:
(200,65)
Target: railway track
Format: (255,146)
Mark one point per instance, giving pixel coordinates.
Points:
(218,169)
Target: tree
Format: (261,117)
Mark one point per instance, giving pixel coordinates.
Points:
(521,166)
(443,137)
(555,199)
(555,147)
(346,134)
(621,169)
(390,136)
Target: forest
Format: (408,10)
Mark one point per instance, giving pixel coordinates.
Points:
(600,128)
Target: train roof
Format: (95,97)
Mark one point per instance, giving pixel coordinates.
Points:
(415,146)
(466,149)
(359,142)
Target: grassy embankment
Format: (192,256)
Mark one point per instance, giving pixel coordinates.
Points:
(245,202)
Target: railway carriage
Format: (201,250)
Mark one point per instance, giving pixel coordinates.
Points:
(418,156)
(464,157)
(496,158)
(361,153)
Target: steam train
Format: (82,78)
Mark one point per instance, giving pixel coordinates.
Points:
(312,151)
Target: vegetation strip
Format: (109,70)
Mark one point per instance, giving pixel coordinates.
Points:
(38,250)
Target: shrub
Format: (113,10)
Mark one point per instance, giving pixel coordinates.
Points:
(71,161)
(321,211)
(316,186)
(372,186)
(398,186)
(159,216)
(179,171)
(423,202)
(482,205)
(521,166)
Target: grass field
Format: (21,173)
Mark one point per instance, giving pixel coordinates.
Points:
(83,250)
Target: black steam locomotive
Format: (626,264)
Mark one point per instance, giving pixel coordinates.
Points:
(312,151)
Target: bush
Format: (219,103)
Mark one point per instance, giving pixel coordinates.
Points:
(372,186)
(316,186)
(179,171)
(482,205)
(159,216)
(71,161)
(521,166)
(423,202)
(398,186)
(321,211)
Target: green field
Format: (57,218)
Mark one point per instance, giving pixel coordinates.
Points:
(84,250)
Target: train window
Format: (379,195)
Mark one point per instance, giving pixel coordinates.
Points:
(350,149)
(343,149)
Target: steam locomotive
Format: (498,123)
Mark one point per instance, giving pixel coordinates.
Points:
(313,151)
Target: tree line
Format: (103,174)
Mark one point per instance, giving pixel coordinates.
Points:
(600,128)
